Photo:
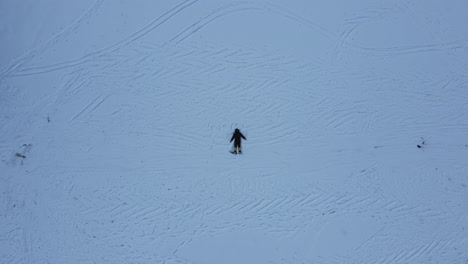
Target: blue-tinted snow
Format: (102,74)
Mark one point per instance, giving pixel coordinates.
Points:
(115,120)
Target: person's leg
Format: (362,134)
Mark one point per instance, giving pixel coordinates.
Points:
(236,147)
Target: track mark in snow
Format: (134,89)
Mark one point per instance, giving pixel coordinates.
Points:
(242,6)
(214,15)
(414,49)
(17,71)
(24,59)
(283,215)
(99,100)
(409,256)
(353,23)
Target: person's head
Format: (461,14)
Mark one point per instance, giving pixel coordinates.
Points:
(237,130)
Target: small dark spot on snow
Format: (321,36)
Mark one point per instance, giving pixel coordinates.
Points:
(20,155)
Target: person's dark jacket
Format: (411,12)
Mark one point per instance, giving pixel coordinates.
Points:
(237,137)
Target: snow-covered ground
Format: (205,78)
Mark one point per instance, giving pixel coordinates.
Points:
(116,116)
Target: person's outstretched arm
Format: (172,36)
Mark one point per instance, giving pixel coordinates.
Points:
(232,138)
(243,136)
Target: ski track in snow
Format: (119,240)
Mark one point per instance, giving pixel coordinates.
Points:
(132,166)
(218,13)
(128,211)
(13,71)
(24,59)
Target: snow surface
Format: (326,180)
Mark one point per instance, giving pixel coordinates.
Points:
(115,120)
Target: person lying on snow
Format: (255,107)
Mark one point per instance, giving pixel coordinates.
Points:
(237,141)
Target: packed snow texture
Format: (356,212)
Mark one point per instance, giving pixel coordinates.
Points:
(116,116)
